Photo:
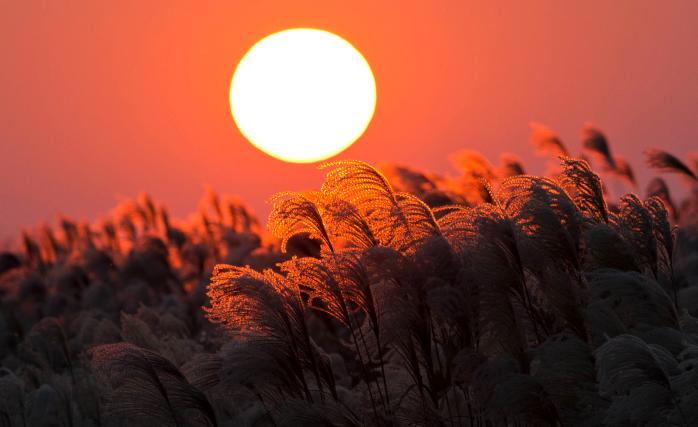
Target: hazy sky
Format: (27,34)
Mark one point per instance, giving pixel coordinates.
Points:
(101,100)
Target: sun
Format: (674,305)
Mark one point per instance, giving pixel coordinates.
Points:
(302,95)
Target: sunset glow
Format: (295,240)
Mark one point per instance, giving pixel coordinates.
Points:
(302,95)
(512,240)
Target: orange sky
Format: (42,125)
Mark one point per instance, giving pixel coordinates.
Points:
(106,99)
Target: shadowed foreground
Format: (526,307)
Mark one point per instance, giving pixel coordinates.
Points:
(400,297)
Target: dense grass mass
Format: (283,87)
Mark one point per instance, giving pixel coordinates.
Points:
(387,296)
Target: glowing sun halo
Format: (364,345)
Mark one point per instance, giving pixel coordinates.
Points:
(302,95)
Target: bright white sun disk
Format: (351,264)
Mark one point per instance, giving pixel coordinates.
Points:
(302,95)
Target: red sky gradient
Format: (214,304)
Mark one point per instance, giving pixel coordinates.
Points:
(106,99)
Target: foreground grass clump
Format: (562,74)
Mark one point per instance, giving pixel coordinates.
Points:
(393,297)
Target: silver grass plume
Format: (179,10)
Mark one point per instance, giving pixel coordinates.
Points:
(396,220)
(146,386)
(657,188)
(545,213)
(586,188)
(636,225)
(510,165)
(645,383)
(595,142)
(298,213)
(547,141)
(667,163)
